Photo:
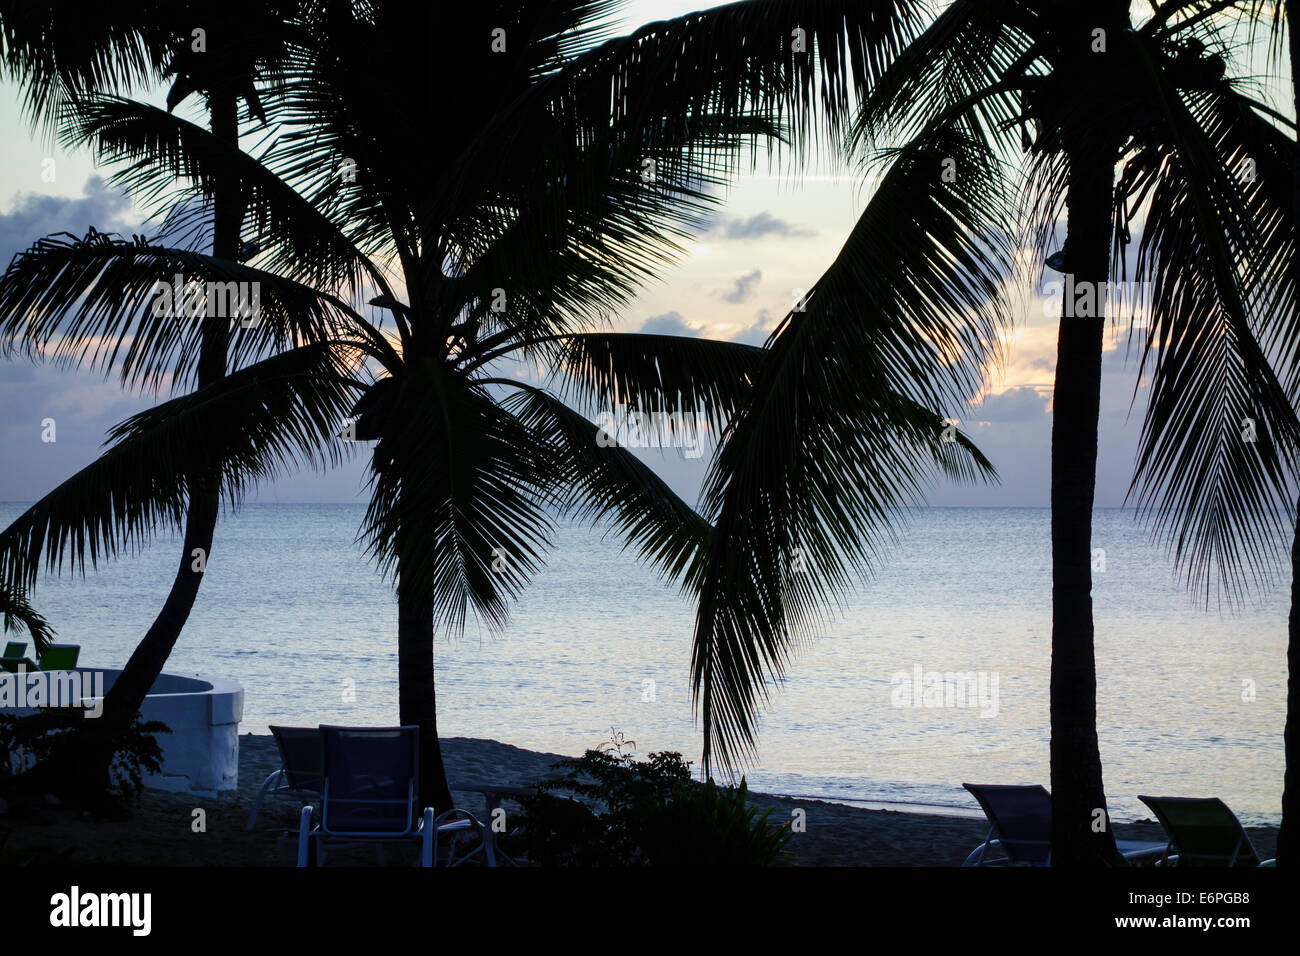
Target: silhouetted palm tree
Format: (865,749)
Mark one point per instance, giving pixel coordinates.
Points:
(1079,89)
(63,53)
(1288,838)
(505,224)
(1283,19)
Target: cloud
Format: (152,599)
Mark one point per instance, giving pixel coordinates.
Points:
(83,404)
(755,227)
(32,216)
(757,333)
(744,287)
(1014,405)
(670,323)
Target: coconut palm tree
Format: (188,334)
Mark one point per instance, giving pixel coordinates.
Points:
(63,53)
(1288,838)
(1079,89)
(1282,21)
(507,225)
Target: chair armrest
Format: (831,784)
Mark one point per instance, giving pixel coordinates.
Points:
(976,857)
(261,795)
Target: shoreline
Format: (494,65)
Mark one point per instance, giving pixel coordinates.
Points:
(161,833)
(971,813)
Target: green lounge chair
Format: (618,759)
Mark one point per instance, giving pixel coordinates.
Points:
(1203,832)
(13,657)
(60,657)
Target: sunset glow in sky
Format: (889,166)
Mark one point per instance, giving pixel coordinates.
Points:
(774,237)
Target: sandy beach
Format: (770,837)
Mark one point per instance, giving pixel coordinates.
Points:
(162,831)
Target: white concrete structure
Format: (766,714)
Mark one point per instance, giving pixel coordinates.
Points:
(201,754)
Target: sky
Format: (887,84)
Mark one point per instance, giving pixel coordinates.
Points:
(773,238)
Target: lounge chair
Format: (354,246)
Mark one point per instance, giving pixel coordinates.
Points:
(1020,825)
(299,775)
(368,778)
(60,657)
(14,660)
(1203,831)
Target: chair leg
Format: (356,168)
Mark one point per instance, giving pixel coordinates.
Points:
(428,831)
(305,856)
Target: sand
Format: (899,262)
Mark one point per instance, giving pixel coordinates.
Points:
(164,830)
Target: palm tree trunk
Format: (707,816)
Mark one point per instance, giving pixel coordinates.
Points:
(415,685)
(1288,837)
(128,692)
(1080,830)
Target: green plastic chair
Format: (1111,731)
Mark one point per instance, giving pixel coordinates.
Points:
(13,657)
(60,657)
(1203,831)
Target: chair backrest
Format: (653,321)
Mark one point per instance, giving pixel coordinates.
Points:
(299,756)
(1022,817)
(15,648)
(1204,831)
(369,776)
(60,657)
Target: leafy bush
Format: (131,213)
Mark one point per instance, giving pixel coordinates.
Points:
(619,811)
(29,740)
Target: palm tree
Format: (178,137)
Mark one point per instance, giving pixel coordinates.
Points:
(1288,838)
(63,53)
(506,227)
(1079,89)
(1280,18)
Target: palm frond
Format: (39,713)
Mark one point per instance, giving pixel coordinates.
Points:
(250,426)
(456,492)
(804,66)
(598,481)
(18,615)
(161,157)
(963,69)
(845,412)
(656,374)
(1219,499)
(61,50)
(111,303)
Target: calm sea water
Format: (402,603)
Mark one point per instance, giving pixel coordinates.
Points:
(291,610)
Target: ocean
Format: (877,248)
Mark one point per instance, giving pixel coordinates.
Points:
(1190,702)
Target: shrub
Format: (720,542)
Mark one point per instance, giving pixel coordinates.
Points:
(29,740)
(619,811)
